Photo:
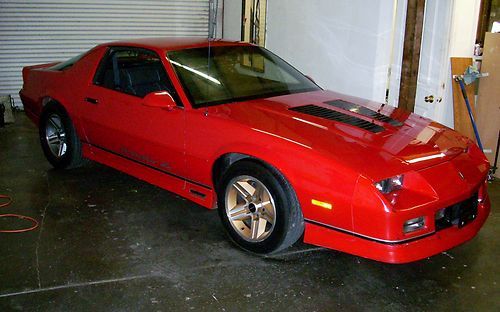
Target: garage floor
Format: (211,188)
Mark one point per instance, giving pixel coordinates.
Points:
(109,242)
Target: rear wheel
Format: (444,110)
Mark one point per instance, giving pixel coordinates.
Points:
(58,138)
(259,208)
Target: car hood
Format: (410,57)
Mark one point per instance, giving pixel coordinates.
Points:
(401,141)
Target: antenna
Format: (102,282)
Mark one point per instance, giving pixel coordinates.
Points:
(212,28)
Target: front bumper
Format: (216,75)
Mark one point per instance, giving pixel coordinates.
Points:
(399,252)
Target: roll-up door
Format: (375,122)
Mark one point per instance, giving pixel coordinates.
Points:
(41,31)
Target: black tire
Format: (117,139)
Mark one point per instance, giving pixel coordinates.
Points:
(72,156)
(288,219)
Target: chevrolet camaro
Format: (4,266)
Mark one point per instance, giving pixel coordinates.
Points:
(233,127)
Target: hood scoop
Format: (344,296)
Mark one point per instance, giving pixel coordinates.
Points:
(364,111)
(330,114)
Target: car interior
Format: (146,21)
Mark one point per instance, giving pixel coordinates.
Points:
(133,73)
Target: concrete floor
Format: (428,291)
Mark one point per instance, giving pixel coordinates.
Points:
(109,242)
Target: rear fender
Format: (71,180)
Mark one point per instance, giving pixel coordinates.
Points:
(70,110)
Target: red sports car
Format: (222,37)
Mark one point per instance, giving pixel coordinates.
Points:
(232,126)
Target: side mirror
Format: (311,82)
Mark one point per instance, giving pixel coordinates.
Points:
(161,99)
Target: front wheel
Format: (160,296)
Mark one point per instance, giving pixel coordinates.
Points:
(58,138)
(259,208)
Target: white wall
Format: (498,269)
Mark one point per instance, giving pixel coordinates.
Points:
(231,28)
(462,36)
(464,27)
(344,45)
(348,45)
(399,22)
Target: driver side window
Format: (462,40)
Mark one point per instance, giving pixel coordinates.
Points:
(133,71)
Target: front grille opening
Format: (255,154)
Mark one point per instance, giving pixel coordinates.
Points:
(457,215)
(330,114)
(365,111)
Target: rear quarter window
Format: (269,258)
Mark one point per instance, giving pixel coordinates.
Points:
(67,64)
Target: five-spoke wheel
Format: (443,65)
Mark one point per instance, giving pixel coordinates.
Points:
(55,135)
(58,137)
(250,208)
(258,207)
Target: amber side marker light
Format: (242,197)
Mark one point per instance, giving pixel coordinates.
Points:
(321,204)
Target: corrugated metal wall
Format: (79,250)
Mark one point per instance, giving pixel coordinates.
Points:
(40,31)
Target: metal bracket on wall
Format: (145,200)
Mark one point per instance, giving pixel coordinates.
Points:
(7,106)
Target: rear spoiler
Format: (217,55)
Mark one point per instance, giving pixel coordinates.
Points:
(27,69)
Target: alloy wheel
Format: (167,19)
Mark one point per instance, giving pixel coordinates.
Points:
(250,208)
(55,136)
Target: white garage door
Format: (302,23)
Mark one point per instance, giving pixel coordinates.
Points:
(40,31)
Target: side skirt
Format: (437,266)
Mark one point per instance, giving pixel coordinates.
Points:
(201,195)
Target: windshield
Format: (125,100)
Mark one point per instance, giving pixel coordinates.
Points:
(235,73)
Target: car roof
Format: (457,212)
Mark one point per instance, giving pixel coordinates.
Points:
(173,43)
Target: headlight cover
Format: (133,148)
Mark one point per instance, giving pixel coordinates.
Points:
(390,185)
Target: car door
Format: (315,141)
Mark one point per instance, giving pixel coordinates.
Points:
(115,119)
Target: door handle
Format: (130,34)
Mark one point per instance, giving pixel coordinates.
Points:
(91,100)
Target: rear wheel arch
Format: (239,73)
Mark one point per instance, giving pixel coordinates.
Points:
(71,157)
(46,100)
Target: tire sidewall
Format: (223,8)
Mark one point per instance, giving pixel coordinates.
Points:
(282,202)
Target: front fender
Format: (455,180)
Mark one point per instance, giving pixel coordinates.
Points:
(311,175)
